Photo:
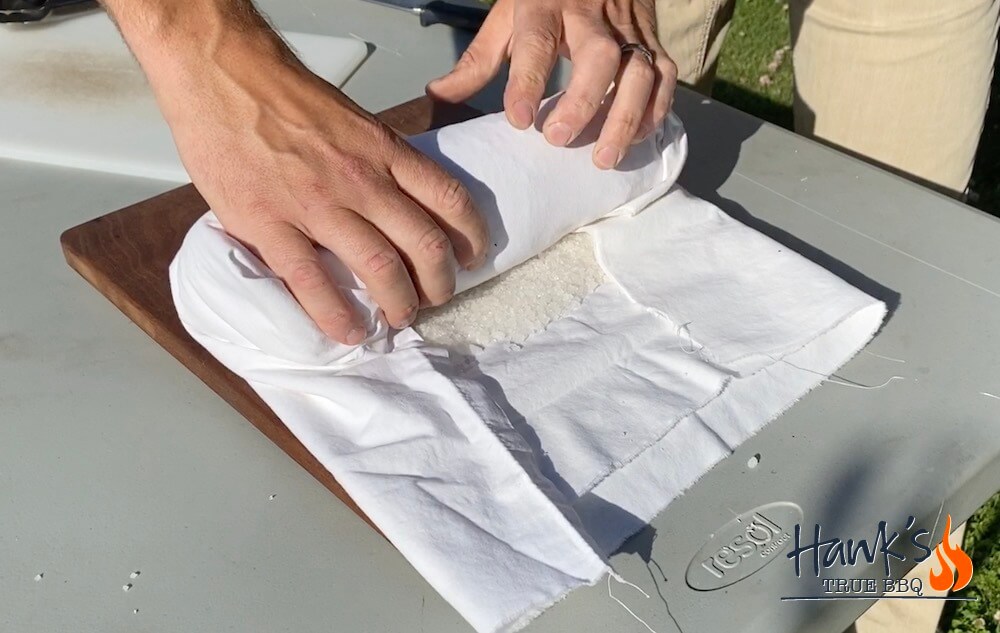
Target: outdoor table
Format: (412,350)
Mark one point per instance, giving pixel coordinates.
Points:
(114,459)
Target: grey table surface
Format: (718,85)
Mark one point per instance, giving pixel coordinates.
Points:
(115,459)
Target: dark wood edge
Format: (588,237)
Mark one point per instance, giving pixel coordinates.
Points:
(412,117)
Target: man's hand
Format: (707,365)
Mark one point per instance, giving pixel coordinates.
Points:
(531,33)
(288,163)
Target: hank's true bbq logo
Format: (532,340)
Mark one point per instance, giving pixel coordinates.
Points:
(760,536)
(821,558)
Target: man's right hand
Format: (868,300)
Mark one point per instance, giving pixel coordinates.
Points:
(289,164)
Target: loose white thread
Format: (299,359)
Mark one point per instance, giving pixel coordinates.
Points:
(989,395)
(843,383)
(895,360)
(623,605)
(936,520)
(855,385)
(684,329)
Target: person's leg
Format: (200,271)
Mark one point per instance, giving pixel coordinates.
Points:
(902,82)
(692,32)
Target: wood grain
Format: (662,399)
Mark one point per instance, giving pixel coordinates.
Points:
(125,255)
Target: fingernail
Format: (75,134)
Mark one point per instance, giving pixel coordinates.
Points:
(355,336)
(434,83)
(476,263)
(558,134)
(522,114)
(607,157)
(642,135)
(408,317)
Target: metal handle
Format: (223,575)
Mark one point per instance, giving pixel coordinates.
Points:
(32,10)
(456,16)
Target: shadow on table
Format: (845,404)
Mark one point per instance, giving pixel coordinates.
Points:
(715,139)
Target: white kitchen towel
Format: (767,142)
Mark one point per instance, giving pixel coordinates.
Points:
(508,480)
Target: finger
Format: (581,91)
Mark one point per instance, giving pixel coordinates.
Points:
(633,87)
(290,254)
(596,57)
(534,48)
(480,62)
(664,87)
(372,258)
(423,245)
(446,201)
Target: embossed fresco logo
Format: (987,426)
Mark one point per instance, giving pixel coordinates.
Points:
(850,569)
(743,546)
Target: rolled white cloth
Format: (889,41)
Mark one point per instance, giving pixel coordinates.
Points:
(508,485)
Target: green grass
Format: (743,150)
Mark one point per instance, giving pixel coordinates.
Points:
(758,31)
(759,28)
(982,543)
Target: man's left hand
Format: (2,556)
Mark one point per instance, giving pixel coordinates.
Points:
(532,33)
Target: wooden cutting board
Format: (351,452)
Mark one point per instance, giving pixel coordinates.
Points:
(125,255)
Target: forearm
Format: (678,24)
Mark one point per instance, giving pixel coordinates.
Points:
(182,48)
(173,28)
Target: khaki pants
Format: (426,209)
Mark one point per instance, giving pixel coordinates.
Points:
(904,83)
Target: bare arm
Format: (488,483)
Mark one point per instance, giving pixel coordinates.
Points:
(289,163)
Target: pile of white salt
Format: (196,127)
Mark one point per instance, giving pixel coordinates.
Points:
(518,303)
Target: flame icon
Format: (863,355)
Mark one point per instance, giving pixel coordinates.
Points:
(950,557)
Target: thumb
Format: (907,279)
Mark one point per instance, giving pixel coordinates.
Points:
(480,62)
